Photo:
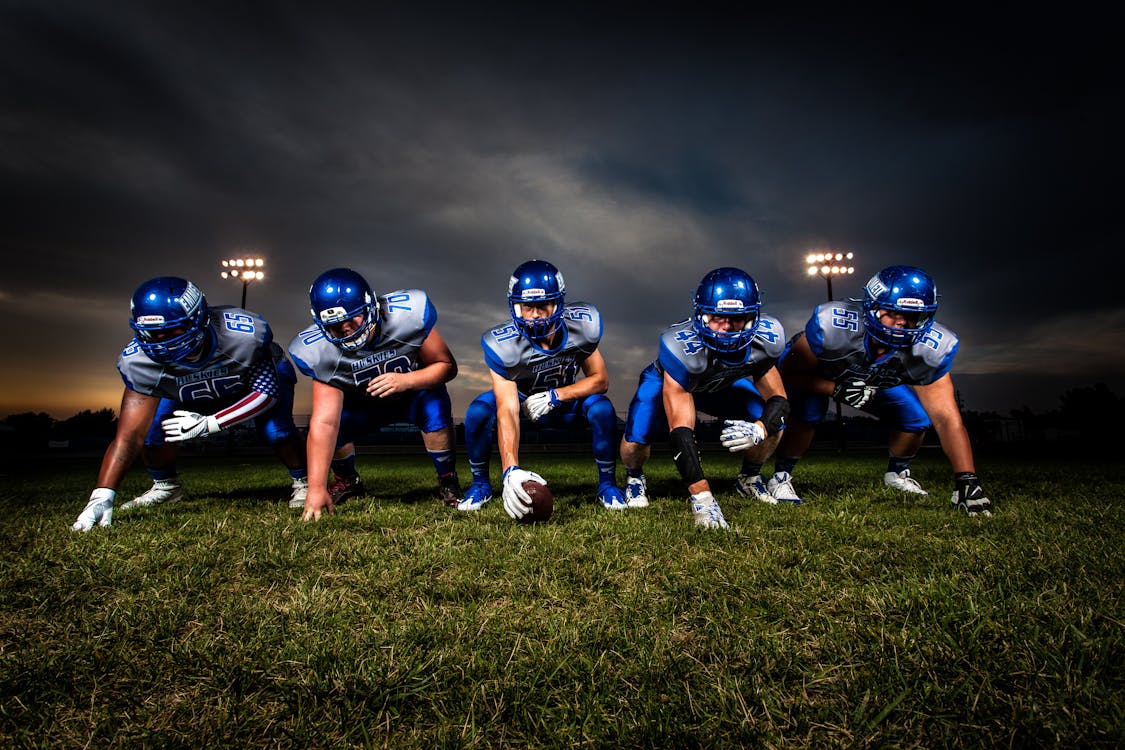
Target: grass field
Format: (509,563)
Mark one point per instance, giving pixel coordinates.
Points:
(861,619)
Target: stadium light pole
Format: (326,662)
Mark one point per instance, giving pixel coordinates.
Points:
(245,270)
(829,263)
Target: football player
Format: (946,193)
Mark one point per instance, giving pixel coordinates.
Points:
(374,360)
(534,359)
(190,371)
(720,361)
(884,355)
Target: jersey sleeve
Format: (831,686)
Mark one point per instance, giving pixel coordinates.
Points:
(939,349)
(588,324)
(673,365)
(814,332)
(494,356)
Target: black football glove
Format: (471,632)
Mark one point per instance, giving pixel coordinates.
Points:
(969,496)
(854,393)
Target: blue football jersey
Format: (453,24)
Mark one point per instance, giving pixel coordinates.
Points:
(242,339)
(699,369)
(836,336)
(406,318)
(510,354)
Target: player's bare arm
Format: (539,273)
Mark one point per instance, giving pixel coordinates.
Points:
(799,370)
(507,420)
(940,402)
(437,366)
(324,427)
(679,406)
(137,411)
(595,380)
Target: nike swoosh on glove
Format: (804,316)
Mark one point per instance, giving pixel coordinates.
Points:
(185,425)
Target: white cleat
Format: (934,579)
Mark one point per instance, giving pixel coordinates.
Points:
(300,492)
(781,488)
(636,492)
(754,487)
(162,491)
(904,482)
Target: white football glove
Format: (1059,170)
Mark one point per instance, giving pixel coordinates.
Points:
(538,406)
(99,510)
(854,393)
(739,435)
(516,500)
(186,425)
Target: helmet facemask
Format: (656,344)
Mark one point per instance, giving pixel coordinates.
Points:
(731,293)
(900,289)
(169,320)
(537,282)
(339,296)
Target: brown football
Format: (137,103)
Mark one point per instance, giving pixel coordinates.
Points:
(542,502)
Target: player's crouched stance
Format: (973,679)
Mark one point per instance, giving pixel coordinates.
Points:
(887,356)
(534,359)
(191,371)
(373,361)
(720,361)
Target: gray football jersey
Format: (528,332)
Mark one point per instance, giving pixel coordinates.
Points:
(699,369)
(510,354)
(406,318)
(242,338)
(837,337)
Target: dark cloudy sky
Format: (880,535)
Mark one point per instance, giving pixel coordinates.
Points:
(440,145)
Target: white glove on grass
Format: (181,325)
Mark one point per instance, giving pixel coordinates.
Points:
(99,510)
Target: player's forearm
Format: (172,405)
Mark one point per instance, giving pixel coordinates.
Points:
(809,383)
(320,446)
(588,386)
(956,444)
(508,439)
(117,461)
(432,375)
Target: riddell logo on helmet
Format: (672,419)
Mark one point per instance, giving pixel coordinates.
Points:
(911,302)
(533,294)
(729,304)
(150,320)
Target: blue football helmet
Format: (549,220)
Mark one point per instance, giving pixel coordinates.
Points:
(727,291)
(537,281)
(169,319)
(339,295)
(905,289)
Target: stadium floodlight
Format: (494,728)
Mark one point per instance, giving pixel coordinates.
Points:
(245,270)
(828,264)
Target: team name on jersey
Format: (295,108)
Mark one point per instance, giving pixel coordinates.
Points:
(553,363)
(197,377)
(373,359)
